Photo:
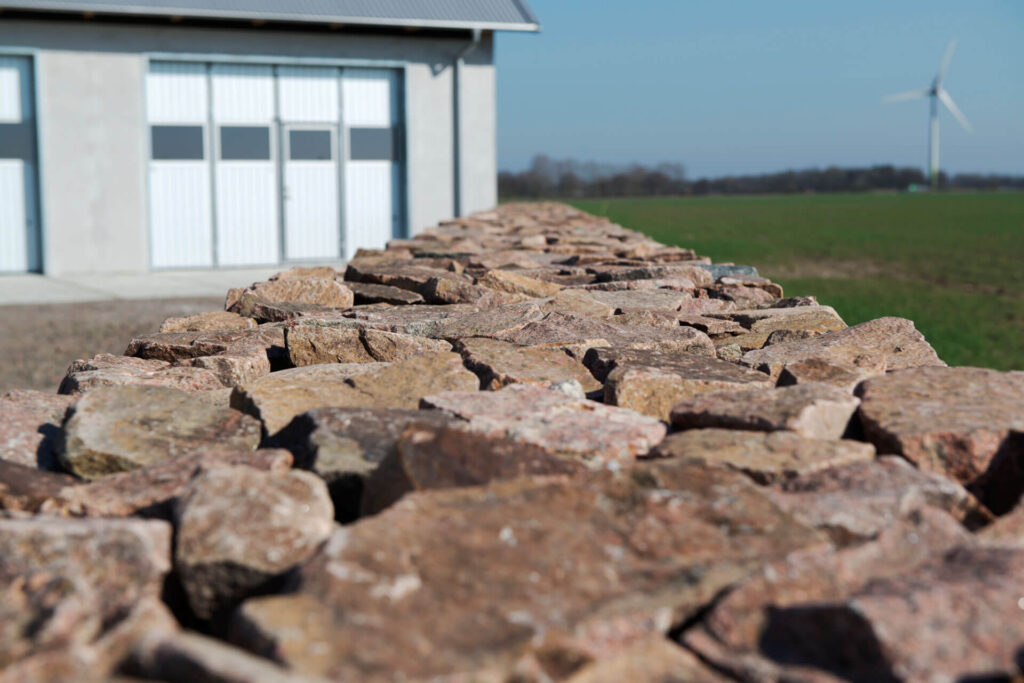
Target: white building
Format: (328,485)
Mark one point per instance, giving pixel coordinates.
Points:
(149,134)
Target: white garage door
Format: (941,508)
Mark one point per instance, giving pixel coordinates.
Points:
(371,117)
(19,223)
(255,164)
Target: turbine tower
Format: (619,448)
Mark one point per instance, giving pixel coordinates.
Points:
(936,93)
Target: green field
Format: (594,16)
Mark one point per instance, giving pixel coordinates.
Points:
(953,263)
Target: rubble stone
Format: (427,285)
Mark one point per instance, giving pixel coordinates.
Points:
(964,423)
(577,334)
(597,560)
(106,370)
(516,283)
(366,293)
(653,382)
(856,501)
(312,345)
(893,342)
(152,491)
(238,527)
(113,429)
(736,635)
(69,582)
(845,377)
(766,457)
(596,434)
(499,364)
(437,457)
(29,424)
(204,322)
(816,411)
(280,396)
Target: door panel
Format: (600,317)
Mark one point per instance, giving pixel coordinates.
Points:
(371,119)
(246,182)
(311,194)
(368,205)
(180,222)
(19,225)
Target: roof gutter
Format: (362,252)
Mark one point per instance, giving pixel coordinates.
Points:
(457,121)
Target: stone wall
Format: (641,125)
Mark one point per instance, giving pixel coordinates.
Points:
(528,445)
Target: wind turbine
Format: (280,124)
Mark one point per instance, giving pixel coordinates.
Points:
(937,93)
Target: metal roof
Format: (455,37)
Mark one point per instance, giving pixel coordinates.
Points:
(498,15)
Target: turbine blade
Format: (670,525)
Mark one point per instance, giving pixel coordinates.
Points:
(944,66)
(909,95)
(955,110)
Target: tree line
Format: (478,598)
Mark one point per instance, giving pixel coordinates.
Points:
(551,178)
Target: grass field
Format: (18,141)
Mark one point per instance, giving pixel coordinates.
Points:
(952,263)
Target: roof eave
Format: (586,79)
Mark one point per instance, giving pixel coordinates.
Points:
(137,11)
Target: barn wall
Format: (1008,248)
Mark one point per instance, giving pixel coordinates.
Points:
(90,84)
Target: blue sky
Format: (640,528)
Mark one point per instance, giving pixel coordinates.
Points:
(729,86)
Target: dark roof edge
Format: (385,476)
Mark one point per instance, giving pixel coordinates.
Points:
(120,10)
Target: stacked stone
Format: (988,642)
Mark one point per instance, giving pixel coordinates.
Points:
(526,445)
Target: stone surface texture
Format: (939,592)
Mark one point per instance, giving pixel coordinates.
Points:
(282,517)
(113,429)
(816,411)
(525,445)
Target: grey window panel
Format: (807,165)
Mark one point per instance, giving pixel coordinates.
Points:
(17,141)
(372,144)
(309,145)
(176,143)
(245,143)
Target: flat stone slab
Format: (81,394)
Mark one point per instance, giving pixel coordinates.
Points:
(152,491)
(499,364)
(964,423)
(304,290)
(589,565)
(429,457)
(172,346)
(238,527)
(577,334)
(210,320)
(855,502)
(29,424)
(366,293)
(312,345)
(764,324)
(648,300)
(653,382)
(737,635)
(594,433)
(892,342)
(816,411)
(517,283)
(489,323)
(106,370)
(845,377)
(114,429)
(767,458)
(280,396)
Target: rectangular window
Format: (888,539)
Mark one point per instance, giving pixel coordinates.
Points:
(368,144)
(309,145)
(245,143)
(17,141)
(177,142)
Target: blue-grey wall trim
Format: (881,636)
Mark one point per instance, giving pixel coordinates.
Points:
(36,93)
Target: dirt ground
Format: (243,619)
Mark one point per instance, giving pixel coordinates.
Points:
(37,343)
